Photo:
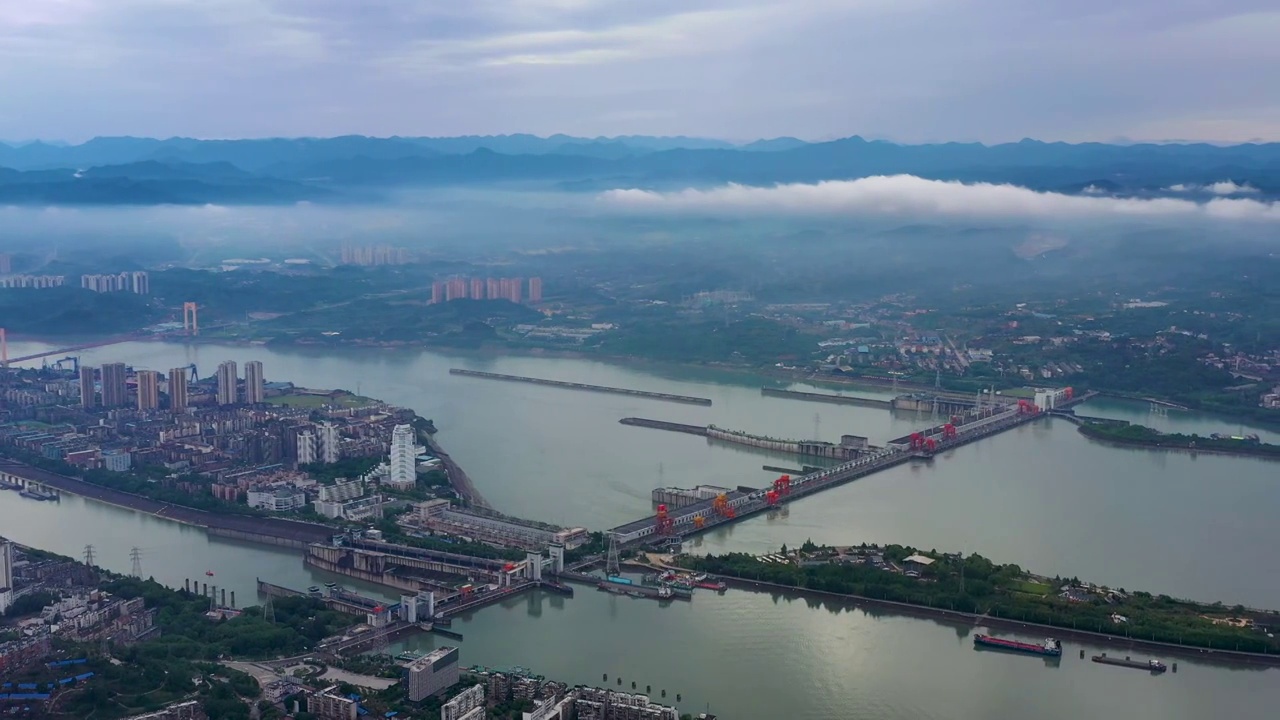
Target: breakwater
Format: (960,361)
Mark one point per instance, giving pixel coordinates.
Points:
(667,397)
(823,397)
(812,448)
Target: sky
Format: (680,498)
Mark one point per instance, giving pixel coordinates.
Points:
(906,70)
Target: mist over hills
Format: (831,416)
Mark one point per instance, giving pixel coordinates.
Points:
(147,171)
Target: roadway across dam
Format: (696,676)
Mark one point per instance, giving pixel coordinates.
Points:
(706,514)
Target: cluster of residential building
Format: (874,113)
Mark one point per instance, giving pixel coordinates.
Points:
(372,255)
(460,288)
(33,281)
(137,282)
(82,612)
(219,429)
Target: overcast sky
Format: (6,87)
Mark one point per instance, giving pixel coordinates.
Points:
(909,70)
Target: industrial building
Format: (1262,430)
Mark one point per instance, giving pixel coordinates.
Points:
(432,673)
(440,516)
(675,497)
(277,500)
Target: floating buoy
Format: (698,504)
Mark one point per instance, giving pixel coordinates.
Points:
(649,688)
(606,677)
(619,681)
(664,693)
(677,697)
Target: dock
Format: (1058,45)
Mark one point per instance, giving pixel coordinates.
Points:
(667,397)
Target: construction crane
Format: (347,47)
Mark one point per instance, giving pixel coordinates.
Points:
(195,374)
(73,359)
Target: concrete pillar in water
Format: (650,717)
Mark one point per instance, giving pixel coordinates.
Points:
(233,598)
(206,590)
(224,597)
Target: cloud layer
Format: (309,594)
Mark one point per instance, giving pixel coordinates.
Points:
(990,70)
(1222,187)
(909,195)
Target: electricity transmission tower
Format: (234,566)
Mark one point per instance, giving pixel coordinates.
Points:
(135,555)
(88,555)
(613,566)
(269,611)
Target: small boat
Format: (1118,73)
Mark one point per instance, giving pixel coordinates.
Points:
(1049,647)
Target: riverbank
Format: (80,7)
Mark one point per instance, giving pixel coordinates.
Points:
(274,531)
(1142,436)
(975,587)
(982,620)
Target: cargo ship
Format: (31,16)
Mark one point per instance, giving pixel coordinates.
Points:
(717,585)
(1154,666)
(1050,647)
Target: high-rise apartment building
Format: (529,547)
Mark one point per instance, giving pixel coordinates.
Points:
(6,575)
(437,292)
(227,378)
(330,443)
(509,289)
(456,289)
(33,281)
(306,447)
(494,289)
(535,289)
(178,389)
(148,390)
(115,391)
(255,387)
(6,263)
(88,396)
(432,673)
(403,457)
(140,283)
(477,289)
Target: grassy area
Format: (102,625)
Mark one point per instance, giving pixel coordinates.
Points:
(315,402)
(1031,588)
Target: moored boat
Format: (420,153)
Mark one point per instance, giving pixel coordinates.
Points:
(1050,647)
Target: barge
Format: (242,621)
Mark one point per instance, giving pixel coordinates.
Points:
(1048,648)
(1154,666)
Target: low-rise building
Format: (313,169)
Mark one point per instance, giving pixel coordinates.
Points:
(277,499)
(332,705)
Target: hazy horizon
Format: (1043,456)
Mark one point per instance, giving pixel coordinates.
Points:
(984,70)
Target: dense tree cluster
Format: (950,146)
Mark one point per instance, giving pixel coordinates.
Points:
(1005,591)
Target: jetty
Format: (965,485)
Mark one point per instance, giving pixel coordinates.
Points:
(668,397)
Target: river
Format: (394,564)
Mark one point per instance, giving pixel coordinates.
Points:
(1041,496)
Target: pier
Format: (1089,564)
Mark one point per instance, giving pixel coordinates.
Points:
(668,397)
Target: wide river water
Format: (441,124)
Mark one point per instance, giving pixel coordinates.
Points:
(1041,496)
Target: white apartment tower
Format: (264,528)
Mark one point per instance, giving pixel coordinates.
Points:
(254,386)
(306,448)
(227,377)
(330,443)
(403,451)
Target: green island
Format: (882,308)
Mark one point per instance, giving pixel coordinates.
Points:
(1129,434)
(975,585)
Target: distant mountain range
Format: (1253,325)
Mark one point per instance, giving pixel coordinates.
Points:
(147,171)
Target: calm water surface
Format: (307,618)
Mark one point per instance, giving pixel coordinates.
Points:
(1041,496)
